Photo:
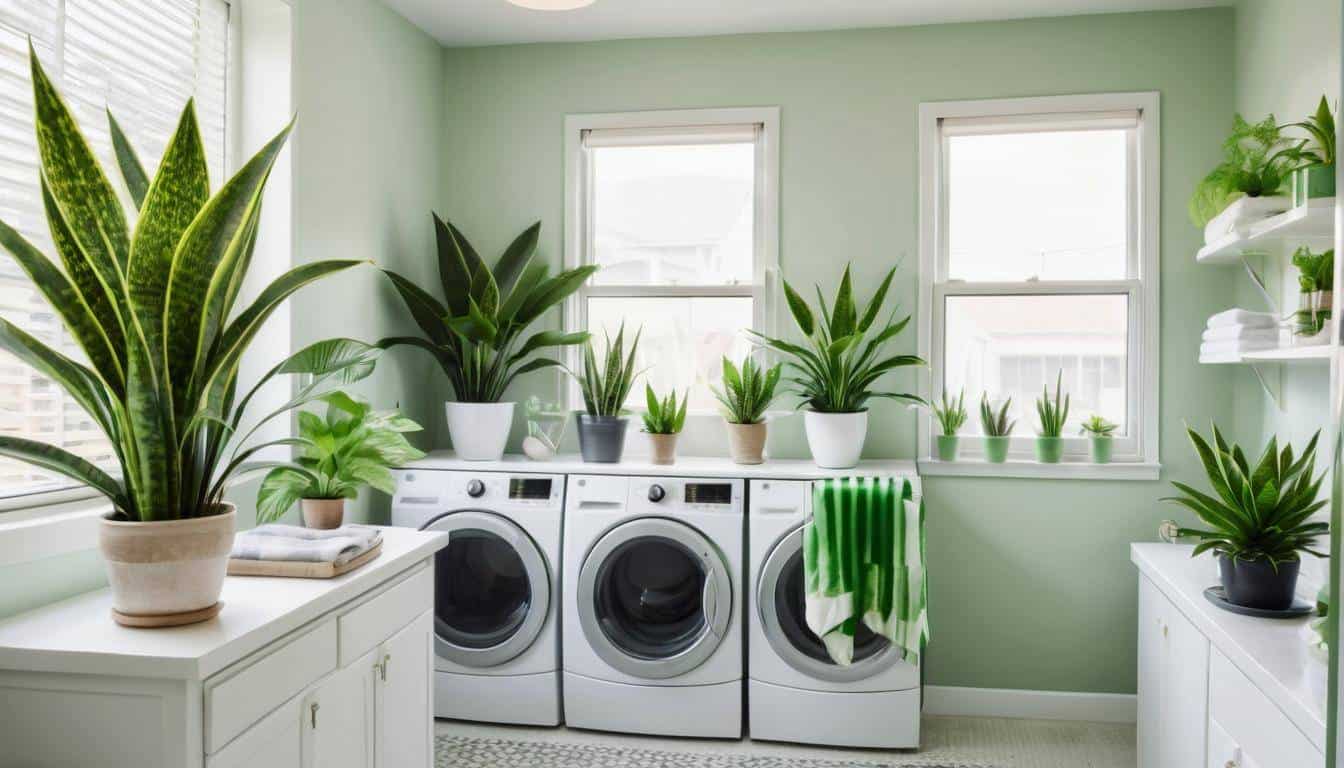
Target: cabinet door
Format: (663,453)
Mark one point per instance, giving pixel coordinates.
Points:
(275,742)
(404,716)
(1151,647)
(336,718)
(1185,691)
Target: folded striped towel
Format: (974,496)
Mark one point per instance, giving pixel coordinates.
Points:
(1241,333)
(1243,317)
(291,543)
(863,560)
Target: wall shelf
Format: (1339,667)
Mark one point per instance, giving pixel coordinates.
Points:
(1318,353)
(1314,220)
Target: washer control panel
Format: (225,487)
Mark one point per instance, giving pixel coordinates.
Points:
(665,495)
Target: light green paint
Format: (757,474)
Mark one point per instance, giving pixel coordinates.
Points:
(1030,581)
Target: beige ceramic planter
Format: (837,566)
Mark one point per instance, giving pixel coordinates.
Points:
(323,513)
(664,448)
(746,442)
(167,567)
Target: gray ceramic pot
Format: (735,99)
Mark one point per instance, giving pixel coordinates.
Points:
(602,438)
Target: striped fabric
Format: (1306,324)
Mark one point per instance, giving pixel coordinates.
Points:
(863,560)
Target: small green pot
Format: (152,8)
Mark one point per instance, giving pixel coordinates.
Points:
(996,449)
(1313,183)
(1101,449)
(1049,450)
(949,447)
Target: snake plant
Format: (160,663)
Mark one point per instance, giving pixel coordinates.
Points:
(951,414)
(748,392)
(664,417)
(476,333)
(1053,413)
(606,388)
(995,424)
(152,306)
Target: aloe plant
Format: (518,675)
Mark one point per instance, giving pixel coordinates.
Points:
(837,368)
(1053,413)
(995,424)
(664,417)
(951,414)
(153,309)
(605,389)
(747,392)
(476,333)
(1098,427)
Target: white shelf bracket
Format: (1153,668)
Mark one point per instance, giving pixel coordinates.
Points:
(1270,391)
(1259,284)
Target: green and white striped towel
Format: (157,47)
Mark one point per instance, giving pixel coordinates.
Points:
(863,560)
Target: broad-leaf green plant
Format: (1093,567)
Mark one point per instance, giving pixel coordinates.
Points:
(152,306)
(996,423)
(1257,160)
(1320,130)
(1098,427)
(606,387)
(951,414)
(747,392)
(836,368)
(664,416)
(477,332)
(1052,414)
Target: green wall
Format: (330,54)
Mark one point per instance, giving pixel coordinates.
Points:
(1031,585)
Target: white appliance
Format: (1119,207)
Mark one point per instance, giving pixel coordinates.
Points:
(795,692)
(496,594)
(652,639)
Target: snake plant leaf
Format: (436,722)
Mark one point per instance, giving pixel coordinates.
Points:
(426,310)
(533,275)
(80,382)
(551,292)
(132,172)
(544,339)
(454,272)
(802,314)
(484,292)
(516,258)
(476,327)
(470,258)
(63,462)
(844,318)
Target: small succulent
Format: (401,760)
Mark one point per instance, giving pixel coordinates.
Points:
(1098,427)
(664,417)
(995,424)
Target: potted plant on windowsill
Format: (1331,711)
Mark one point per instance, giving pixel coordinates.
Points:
(351,447)
(152,309)
(1100,434)
(605,389)
(1052,414)
(951,417)
(838,365)
(663,422)
(1258,519)
(745,396)
(997,428)
(1315,178)
(476,333)
(1315,278)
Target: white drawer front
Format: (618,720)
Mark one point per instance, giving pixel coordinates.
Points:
(242,698)
(375,620)
(1248,726)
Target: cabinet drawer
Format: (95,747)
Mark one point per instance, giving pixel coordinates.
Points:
(377,619)
(1248,721)
(242,698)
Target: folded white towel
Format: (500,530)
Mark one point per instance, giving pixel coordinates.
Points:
(1243,317)
(1220,349)
(1242,333)
(290,543)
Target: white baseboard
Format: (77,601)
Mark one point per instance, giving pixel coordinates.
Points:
(1034,705)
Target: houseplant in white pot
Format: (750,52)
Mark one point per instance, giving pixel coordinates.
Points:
(951,415)
(1101,435)
(476,333)
(663,421)
(745,395)
(838,365)
(350,447)
(152,308)
(605,389)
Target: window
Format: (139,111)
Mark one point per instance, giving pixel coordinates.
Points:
(141,59)
(678,209)
(1038,252)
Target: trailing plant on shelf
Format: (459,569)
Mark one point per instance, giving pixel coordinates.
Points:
(951,415)
(1258,519)
(663,421)
(153,309)
(605,389)
(997,428)
(1315,278)
(1099,431)
(836,369)
(746,394)
(478,332)
(1052,415)
(1257,160)
(350,447)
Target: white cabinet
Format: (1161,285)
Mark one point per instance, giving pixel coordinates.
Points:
(336,719)
(1173,684)
(403,707)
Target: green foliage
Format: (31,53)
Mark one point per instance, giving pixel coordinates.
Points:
(1255,513)
(1256,162)
(1052,413)
(664,417)
(838,366)
(605,389)
(153,309)
(351,447)
(747,392)
(1315,271)
(1098,427)
(995,424)
(951,415)
(476,333)
(1320,129)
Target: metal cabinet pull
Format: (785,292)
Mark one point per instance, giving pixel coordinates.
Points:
(312,710)
(383,667)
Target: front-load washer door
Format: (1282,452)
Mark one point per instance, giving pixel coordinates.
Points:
(655,598)
(780,596)
(491,589)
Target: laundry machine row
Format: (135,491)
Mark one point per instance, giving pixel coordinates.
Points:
(642,605)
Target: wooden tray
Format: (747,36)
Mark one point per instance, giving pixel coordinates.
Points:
(293,570)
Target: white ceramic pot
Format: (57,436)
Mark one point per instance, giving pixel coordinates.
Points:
(479,430)
(836,439)
(168,566)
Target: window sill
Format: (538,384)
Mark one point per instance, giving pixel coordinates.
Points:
(1021,468)
(49,531)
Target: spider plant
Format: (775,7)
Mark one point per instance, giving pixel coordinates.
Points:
(995,424)
(1053,413)
(748,392)
(951,414)
(1096,426)
(664,417)
(605,389)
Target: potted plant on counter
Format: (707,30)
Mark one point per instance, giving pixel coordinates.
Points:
(838,366)
(477,333)
(1315,178)
(663,422)
(745,396)
(605,389)
(1258,518)
(351,447)
(997,428)
(1052,414)
(152,307)
(1100,434)
(951,417)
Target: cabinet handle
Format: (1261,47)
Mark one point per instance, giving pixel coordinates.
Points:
(1164,634)
(312,711)
(382,668)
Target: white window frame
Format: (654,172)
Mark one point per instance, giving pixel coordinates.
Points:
(578,240)
(1136,454)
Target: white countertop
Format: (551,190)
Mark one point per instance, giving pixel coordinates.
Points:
(79,636)
(1271,652)
(686,466)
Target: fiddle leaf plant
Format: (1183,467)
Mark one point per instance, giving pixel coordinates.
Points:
(154,308)
(664,417)
(747,392)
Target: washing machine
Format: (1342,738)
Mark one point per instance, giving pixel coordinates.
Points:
(496,596)
(652,630)
(794,691)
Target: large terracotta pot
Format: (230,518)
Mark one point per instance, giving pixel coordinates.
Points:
(323,513)
(746,442)
(167,567)
(664,448)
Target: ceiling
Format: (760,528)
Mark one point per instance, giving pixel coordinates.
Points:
(495,22)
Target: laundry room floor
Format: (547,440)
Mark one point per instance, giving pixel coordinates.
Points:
(997,742)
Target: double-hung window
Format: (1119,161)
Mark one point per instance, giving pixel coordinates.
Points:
(142,60)
(1039,261)
(677,208)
